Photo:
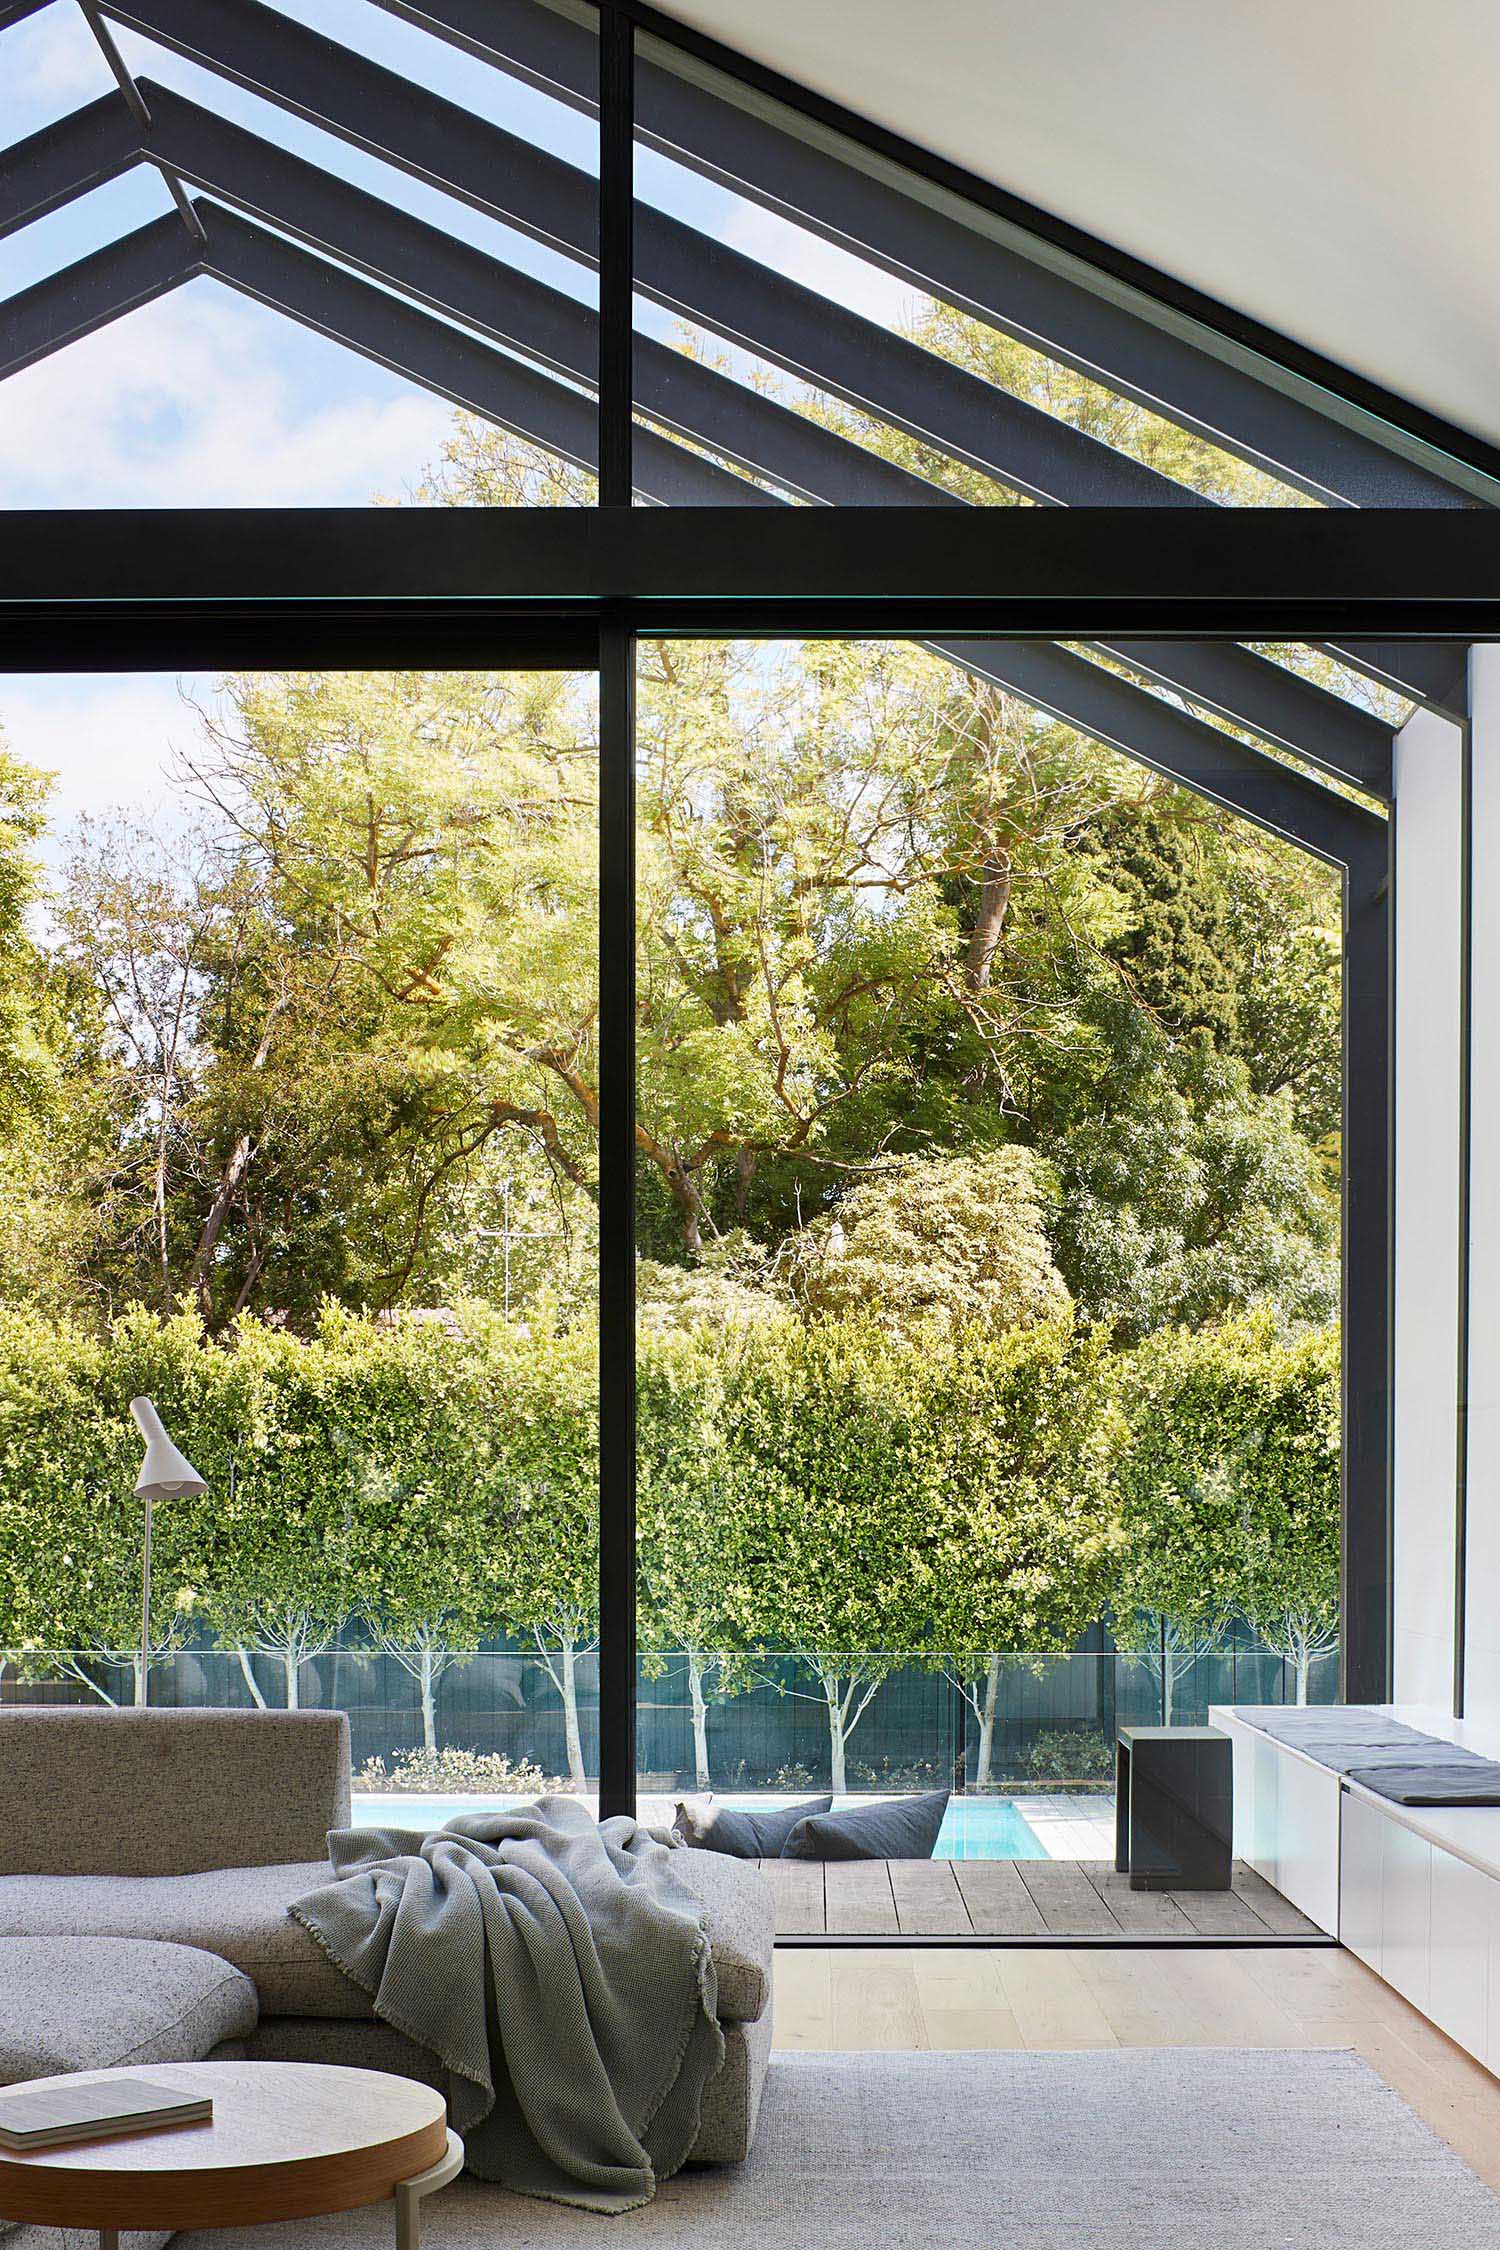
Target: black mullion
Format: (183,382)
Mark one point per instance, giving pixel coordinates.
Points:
(616,253)
(1465,1189)
(617,1622)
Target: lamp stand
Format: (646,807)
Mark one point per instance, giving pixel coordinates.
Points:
(143,1691)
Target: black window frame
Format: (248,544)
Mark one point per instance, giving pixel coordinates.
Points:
(345,588)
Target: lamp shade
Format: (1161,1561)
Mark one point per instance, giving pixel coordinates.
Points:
(165,1473)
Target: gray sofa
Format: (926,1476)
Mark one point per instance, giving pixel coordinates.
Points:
(198,1828)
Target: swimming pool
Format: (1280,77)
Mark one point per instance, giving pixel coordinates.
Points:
(973,1827)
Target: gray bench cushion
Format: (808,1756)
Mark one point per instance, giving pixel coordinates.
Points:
(98,2003)
(241,1913)
(237,1912)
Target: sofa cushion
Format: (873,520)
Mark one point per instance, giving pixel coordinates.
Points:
(98,2002)
(903,1828)
(711,1827)
(241,1913)
(741,1922)
(104,1792)
(237,1912)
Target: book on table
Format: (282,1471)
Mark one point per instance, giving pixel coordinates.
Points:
(79,2110)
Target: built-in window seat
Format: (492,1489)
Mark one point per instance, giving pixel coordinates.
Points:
(1413,1890)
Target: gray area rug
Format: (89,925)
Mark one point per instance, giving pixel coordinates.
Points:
(1114,2149)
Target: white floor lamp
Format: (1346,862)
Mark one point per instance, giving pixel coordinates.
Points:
(165,1474)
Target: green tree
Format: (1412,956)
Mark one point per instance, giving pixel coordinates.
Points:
(936,1241)
(1026,1432)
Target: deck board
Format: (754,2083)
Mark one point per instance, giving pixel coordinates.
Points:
(1001,1898)
(859,1898)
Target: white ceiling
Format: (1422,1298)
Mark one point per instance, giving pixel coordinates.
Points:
(1328,166)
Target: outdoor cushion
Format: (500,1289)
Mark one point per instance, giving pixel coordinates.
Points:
(97,1792)
(237,1912)
(99,2003)
(903,1828)
(1455,1781)
(713,1827)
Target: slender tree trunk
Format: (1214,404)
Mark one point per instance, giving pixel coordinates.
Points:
(571,1729)
(427,1679)
(293,1665)
(251,1682)
(985,1756)
(139,1671)
(700,1719)
(836,1738)
(1304,1667)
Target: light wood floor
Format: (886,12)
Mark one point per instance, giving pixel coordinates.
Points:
(962,1997)
(1015,1898)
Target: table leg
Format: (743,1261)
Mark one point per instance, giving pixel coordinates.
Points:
(409,2193)
(109,2238)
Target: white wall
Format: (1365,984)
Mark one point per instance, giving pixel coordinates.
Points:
(1483,1581)
(1428,791)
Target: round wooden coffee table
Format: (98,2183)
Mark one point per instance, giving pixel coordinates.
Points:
(286,2141)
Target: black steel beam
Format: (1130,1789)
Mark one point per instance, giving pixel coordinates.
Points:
(1047,573)
(1367,1206)
(427,264)
(1279,705)
(1172,741)
(673,390)
(95,291)
(14,11)
(508,178)
(438,358)
(65,160)
(617,1246)
(1435,673)
(1001,280)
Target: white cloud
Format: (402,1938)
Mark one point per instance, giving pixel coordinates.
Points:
(52,59)
(202,400)
(108,738)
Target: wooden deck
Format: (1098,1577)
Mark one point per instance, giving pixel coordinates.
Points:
(1082,1898)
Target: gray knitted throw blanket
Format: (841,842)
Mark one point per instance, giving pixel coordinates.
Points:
(559,1968)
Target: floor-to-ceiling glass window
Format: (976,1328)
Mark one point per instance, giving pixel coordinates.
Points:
(989,1125)
(300,999)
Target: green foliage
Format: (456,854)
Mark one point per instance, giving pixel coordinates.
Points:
(455,1772)
(937,1241)
(1230,1487)
(1071,1755)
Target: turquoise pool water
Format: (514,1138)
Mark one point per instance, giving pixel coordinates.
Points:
(973,1827)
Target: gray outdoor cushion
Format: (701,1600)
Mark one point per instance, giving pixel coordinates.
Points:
(904,1828)
(712,1827)
(1468,1781)
(104,1792)
(237,1912)
(98,2003)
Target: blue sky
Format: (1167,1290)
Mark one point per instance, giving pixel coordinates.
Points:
(205,399)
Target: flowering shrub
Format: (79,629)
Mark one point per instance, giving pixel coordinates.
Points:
(456,1773)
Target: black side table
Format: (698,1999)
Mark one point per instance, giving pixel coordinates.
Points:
(1174,1808)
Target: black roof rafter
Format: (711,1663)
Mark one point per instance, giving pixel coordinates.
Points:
(554,329)
(882,374)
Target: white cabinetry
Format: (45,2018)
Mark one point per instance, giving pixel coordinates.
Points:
(1425,1920)
(1360,1854)
(1286,1820)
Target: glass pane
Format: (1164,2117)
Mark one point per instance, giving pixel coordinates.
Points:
(417,325)
(989,1108)
(300,976)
